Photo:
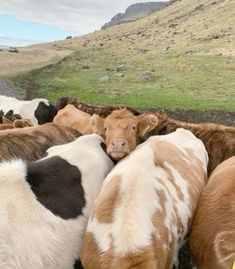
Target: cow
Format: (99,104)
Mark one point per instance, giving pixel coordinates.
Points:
(72,117)
(16,123)
(219,139)
(31,143)
(38,111)
(212,237)
(123,131)
(146,205)
(101,110)
(45,204)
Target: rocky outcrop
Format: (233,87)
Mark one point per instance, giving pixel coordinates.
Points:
(134,12)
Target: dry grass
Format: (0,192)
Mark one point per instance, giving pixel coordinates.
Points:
(28,59)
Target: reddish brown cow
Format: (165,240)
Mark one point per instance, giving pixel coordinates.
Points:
(74,118)
(212,239)
(123,131)
(218,139)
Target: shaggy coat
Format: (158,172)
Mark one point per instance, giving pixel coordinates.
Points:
(146,205)
(219,140)
(212,238)
(102,111)
(45,205)
(30,143)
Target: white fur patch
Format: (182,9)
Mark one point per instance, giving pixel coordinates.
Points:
(25,108)
(31,236)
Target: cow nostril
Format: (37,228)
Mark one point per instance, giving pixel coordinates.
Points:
(123,143)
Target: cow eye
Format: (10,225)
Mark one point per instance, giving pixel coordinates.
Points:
(134,127)
(105,129)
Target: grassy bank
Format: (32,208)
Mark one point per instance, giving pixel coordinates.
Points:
(178,80)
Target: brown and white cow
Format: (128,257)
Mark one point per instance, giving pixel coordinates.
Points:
(72,117)
(123,131)
(212,238)
(146,204)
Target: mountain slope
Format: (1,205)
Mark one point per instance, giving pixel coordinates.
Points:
(134,12)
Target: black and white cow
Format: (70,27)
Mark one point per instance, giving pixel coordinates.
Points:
(38,110)
(44,205)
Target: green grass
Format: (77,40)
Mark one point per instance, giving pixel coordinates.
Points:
(186,82)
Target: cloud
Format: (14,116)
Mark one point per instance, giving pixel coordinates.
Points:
(18,42)
(79,16)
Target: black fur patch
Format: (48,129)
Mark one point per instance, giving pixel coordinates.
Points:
(185,258)
(57,185)
(9,114)
(77,265)
(45,113)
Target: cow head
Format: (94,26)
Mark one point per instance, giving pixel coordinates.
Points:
(123,131)
(45,112)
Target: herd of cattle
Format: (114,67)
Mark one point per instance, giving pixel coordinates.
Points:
(99,187)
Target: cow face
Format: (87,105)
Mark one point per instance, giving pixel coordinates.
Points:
(45,112)
(123,131)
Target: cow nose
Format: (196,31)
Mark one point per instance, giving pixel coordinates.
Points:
(118,143)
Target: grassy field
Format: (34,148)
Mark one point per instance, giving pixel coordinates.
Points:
(179,81)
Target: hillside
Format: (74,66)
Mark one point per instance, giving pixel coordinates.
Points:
(182,56)
(134,12)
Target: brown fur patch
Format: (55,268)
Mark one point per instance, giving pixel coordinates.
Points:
(107,202)
(30,143)
(215,214)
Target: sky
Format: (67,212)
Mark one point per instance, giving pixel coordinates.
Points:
(24,22)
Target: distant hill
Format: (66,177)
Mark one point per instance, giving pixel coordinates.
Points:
(134,12)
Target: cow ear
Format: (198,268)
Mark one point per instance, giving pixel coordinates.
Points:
(18,124)
(97,124)
(22,123)
(146,123)
(224,246)
(6,120)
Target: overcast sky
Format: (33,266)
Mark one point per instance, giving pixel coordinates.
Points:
(66,17)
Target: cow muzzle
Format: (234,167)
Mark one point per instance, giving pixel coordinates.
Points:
(118,148)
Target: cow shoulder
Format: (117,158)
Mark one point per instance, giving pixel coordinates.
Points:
(57,185)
